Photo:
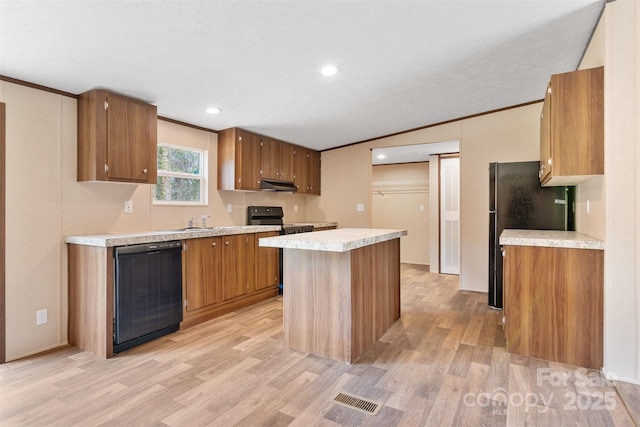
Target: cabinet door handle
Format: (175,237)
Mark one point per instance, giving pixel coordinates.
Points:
(145,171)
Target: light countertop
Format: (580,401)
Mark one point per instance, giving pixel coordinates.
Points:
(340,240)
(550,238)
(122,239)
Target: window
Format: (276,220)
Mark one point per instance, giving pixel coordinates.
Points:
(182,176)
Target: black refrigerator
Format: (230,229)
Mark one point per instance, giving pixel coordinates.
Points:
(516,200)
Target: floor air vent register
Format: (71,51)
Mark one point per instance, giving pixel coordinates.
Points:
(358,403)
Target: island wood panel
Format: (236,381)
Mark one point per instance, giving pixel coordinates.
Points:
(90,325)
(337,304)
(375,293)
(554,304)
(317,302)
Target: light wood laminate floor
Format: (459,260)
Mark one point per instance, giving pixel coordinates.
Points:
(443,363)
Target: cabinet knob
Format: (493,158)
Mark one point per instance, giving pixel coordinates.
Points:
(226,243)
(213,244)
(145,171)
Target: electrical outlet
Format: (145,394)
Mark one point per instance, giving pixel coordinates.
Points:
(295,208)
(229,208)
(421,208)
(128,206)
(41,317)
(359,207)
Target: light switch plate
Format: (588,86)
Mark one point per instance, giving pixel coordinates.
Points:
(128,206)
(359,207)
(41,317)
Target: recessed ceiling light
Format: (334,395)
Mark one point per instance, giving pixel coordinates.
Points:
(213,110)
(329,70)
(381,156)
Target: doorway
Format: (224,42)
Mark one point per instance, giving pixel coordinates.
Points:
(450,215)
(424,203)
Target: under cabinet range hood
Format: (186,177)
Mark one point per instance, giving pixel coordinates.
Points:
(275,185)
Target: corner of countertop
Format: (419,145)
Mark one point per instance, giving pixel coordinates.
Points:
(550,238)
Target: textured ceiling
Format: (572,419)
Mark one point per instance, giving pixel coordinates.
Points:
(403,64)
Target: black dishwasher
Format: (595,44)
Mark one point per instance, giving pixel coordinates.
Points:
(147,292)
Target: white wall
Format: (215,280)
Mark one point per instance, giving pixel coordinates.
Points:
(45,203)
(398,206)
(34,131)
(622,187)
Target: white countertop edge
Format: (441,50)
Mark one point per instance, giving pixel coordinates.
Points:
(551,239)
(124,239)
(339,240)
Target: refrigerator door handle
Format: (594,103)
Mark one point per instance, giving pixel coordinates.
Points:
(492,212)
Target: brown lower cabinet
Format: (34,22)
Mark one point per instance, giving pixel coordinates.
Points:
(553,304)
(225,273)
(332,227)
(267,264)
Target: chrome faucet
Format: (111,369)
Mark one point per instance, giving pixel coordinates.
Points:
(203,218)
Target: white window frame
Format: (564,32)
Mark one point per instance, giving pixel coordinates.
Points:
(204,186)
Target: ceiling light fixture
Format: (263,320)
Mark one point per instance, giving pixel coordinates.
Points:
(214,110)
(381,156)
(329,70)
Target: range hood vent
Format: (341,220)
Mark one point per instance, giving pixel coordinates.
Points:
(275,185)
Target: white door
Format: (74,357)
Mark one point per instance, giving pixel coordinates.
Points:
(450,215)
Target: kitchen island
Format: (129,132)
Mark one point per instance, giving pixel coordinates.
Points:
(341,289)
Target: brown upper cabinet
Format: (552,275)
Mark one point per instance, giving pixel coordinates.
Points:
(313,172)
(117,138)
(277,160)
(307,168)
(572,128)
(245,158)
(239,155)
